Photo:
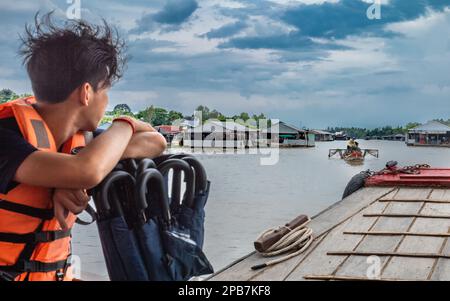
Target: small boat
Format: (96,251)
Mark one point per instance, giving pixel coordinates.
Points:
(353,155)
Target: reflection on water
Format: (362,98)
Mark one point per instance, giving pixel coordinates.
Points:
(246,198)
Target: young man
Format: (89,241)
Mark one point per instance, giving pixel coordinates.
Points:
(46,164)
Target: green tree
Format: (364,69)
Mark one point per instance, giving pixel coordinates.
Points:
(146,114)
(7,95)
(214,114)
(411,125)
(122,109)
(222,117)
(205,112)
(244,116)
(174,115)
(106,119)
(160,116)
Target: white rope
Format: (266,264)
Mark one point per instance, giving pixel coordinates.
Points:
(295,242)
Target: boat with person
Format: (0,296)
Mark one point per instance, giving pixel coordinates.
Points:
(353,154)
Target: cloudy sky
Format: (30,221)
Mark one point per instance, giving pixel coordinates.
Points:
(313,63)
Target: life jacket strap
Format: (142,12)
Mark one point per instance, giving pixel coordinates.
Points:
(7,277)
(44,214)
(33,266)
(37,237)
(24,264)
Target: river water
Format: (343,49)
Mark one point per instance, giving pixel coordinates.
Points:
(247,197)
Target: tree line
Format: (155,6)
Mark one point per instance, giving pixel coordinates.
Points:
(376,132)
(8,94)
(154,115)
(160,116)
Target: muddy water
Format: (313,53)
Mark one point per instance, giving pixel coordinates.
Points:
(247,198)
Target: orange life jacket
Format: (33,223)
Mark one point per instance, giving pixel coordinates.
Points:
(32,244)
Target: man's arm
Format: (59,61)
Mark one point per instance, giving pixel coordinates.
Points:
(82,171)
(142,144)
(145,145)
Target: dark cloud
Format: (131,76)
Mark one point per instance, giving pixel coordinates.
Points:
(176,11)
(298,76)
(332,21)
(218,71)
(226,31)
(348,17)
(171,16)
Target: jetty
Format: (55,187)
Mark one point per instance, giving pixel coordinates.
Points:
(377,233)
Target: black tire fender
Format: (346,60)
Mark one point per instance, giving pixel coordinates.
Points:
(356,182)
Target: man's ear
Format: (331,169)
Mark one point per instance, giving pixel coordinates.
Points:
(86,94)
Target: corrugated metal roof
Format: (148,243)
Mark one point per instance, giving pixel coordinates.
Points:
(320,132)
(215,125)
(190,123)
(283,128)
(168,129)
(431,127)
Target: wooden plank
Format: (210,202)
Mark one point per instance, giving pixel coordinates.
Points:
(393,254)
(436,208)
(321,224)
(318,262)
(416,201)
(441,271)
(281,270)
(240,270)
(441,268)
(409,215)
(407,208)
(359,266)
(418,268)
(366,197)
(387,233)
(347,208)
(347,278)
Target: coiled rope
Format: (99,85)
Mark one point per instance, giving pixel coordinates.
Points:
(295,242)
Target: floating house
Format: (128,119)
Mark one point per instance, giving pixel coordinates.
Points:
(397,137)
(189,123)
(340,136)
(322,135)
(218,134)
(283,134)
(433,133)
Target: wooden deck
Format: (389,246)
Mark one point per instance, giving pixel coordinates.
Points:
(406,228)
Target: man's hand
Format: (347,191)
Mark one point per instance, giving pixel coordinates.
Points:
(65,200)
(139,125)
(145,143)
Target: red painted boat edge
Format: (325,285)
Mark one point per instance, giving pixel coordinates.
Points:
(428,177)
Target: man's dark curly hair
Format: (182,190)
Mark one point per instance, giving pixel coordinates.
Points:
(60,59)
